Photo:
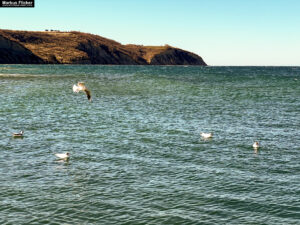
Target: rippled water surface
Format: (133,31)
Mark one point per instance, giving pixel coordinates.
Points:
(136,152)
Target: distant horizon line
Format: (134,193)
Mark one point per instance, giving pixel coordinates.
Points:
(257,65)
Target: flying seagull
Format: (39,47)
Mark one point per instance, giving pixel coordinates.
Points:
(81,87)
(63,155)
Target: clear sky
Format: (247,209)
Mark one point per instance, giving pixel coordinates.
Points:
(223,32)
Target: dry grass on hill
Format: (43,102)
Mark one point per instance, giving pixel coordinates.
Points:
(78,47)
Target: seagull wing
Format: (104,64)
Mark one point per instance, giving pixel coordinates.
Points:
(88,94)
(59,155)
(62,156)
(75,88)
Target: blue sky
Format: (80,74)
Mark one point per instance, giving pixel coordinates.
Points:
(223,32)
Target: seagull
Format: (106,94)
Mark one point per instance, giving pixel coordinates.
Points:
(206,135)
(20,134)
(63,155)
(81,87)
(256,145)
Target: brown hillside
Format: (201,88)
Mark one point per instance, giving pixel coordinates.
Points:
(83,48)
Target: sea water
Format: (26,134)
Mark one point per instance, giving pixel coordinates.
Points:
(137,156)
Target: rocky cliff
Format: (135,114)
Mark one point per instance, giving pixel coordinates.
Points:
(40,47)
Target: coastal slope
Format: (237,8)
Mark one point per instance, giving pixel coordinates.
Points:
(56,47)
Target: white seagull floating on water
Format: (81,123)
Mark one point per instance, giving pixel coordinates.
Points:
(20,134)
(256,144)
(81,87)
(63,155)
(206,135)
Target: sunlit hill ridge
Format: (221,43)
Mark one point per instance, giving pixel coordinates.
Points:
(56,47)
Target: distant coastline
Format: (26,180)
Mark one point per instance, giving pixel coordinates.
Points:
(57,47)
